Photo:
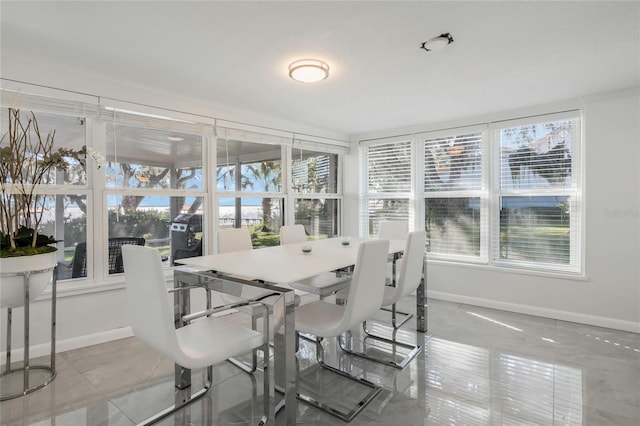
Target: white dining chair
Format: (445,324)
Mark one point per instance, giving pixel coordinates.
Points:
(237,239)
(234,239)
(410,276)
(322,285)
(393,230)
(323,319)
(204,341)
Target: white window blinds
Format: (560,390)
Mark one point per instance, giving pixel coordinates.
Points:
(539,193)
(453,163)
(389,167)
(455,216)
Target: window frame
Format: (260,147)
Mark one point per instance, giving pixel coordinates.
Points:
(491,193)
(78,106)
(337,196)
(574,191)
(482,193)
(366,195)
(155,121)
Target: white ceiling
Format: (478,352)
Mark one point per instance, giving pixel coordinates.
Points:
(506,55)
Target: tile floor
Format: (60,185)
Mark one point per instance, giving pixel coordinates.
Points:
(480,367)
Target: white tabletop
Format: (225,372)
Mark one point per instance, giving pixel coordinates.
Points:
(286,264)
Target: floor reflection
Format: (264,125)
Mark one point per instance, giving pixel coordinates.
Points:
(478,367)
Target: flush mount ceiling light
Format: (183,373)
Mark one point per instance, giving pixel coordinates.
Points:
(308,70)
(437,42)
(175,138)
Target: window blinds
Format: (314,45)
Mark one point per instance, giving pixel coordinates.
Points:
(453,163)
(389,167)
(539,193)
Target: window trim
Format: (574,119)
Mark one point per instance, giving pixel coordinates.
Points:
(491,193)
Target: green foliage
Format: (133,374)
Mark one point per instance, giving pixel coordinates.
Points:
(150,224)
(23,241)
(262,238)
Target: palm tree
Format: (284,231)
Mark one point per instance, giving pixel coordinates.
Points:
(266,174)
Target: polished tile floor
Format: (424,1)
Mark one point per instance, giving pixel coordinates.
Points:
(479,367)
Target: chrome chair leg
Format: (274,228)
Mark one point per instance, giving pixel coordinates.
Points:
(181,404)
(414,350)
(347,416)
(394,314)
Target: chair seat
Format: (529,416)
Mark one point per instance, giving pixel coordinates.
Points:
(322,284)
(199,348)
(320,318)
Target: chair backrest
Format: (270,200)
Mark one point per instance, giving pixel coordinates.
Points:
(412,265)
(115,251)
(392,230)
(291,234)
(367,283)
(150,310)
(234,239)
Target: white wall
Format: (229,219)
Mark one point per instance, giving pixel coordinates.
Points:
(610,294)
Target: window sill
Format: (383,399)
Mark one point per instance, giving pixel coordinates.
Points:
(511,270)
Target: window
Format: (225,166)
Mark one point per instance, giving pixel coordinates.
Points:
(64,209)
(314,185)
(538,222)
(454,195)
(249,184)
(506,194)
(154,185)
(388,183)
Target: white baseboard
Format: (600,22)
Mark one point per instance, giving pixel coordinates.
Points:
(598,321)
(44,349)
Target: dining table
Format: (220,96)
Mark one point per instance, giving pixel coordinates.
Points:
(271,270)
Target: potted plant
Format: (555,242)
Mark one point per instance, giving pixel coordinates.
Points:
(28,161)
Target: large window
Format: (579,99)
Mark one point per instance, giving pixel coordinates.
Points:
(249,184)
(539,193)
(64,207)
(454,194)
(155,189)
(505,194)
(156,186)
(314,184)
(388,184)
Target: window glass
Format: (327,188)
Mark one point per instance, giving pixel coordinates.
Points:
(453,183)
(314,172)
(384,209)
(318,216)
(538,222)
(536,229)
(453,226)
(536,155)
(389,167)
(453,163)
(62,210)
(263,217)
(260,166)
(67,132)
(153,159)
(167,223)
(65,217)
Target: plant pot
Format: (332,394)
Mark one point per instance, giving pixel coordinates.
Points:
(12,287)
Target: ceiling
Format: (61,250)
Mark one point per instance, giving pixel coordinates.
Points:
(506,55)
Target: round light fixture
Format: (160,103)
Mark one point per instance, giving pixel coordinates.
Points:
(308,70)
(437,42)
(175,138)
